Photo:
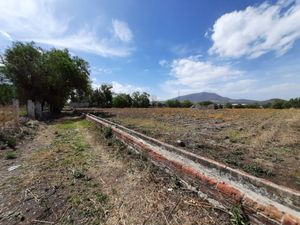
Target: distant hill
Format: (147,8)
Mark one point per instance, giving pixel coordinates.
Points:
(213,97)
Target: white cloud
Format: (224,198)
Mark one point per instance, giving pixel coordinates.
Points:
(257,30)
(120,87)
(6,35)
(194,73)
(96,70)
(126,88)
(163,62)
(34,20)
(122,30)
(87,41)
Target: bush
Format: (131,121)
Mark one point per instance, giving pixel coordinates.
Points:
(228,105)
(186,104)
(206,103)
(278,104)
(7,93)
(10,141)
(173,103)
(10,155)
(107,132)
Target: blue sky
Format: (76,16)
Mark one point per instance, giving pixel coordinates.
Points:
(239,49)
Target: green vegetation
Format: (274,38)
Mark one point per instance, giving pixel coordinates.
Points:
(78,174)
(101,97)
(107,131)
(257,170)
(179,104)
(8,140)
(7,93)
(206,103)
(137,99)
(10,155)
(122,101)
(283,104)
(46,76)
(140,100)
(237,216)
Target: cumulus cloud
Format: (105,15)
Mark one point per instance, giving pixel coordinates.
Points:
(34,20)
(120,87)
(195,73)
(257,30)
(126,88)
(122,30)
(192,75)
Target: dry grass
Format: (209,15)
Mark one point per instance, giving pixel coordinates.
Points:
(72,174)
(265,140)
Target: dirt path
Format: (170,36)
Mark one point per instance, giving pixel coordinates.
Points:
(71,174)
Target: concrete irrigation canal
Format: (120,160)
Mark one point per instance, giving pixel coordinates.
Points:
(263,201)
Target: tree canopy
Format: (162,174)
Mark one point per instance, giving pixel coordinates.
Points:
(46,76)
(140,100)
(122,101)
(102,96)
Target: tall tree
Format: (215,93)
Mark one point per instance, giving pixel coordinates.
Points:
(45,76)
(64,75)
(122,101)
(102,96)
(140,99)
(23,64)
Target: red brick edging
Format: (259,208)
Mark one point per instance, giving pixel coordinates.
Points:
(274,205)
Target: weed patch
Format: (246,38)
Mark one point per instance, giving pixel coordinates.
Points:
(78,174)
(237,216)
(10,155)
(107,132)
(257,170)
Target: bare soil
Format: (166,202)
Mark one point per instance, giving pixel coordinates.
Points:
(263,142)
(71,174)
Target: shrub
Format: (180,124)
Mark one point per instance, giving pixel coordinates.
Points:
(173,103)
(107,132)
(186,104)
(10,155)
(77,174)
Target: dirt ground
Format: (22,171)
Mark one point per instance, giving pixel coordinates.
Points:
(263,142)
(71,174)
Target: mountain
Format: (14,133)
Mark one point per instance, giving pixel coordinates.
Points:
(204,96)
(213,97)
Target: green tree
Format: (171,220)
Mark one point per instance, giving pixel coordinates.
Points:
(122,101)
(186,104)
(278,104)
(64,75)
(206,103)
(102,96)
(7,93)
(173,103)
(23,65)
(228,105)
(140,99)
(45,76)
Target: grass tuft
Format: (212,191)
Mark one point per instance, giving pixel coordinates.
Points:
(10,155)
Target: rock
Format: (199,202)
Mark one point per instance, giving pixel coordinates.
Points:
(180,143)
